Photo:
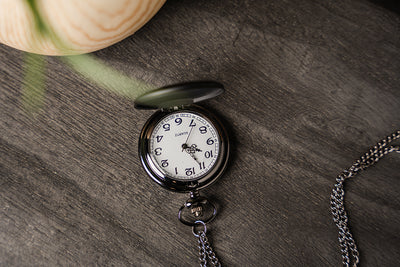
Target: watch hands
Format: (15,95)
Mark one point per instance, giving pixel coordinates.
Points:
(187,138)
(191,150)
(192,155)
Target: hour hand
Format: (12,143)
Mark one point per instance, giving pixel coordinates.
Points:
(195,148)
(191,150)
(192,155)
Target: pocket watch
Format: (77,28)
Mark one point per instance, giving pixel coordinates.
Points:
(184,147)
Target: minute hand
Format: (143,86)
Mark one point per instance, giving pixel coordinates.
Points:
(185,144)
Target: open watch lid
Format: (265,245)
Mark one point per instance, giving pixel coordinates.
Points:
(178,95)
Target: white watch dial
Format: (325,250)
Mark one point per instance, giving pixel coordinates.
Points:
(184,145)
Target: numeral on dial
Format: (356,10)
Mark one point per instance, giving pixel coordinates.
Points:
(159,138)
(192,123)
(210,141)
(164,163)
(167,127)
(157,151)
(178,121)
(208,154)
(203,129)
(202,165)
(189,171)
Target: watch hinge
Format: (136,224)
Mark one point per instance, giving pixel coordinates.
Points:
(174,108)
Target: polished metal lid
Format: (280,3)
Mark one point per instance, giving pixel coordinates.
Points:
(178,95)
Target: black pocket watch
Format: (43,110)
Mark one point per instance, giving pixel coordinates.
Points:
(183,147)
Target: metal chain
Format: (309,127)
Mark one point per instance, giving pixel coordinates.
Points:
(205,249)
(347,243)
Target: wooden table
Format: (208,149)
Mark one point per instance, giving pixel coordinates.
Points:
(310,86)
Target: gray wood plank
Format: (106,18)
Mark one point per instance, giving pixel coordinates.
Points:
(310,86)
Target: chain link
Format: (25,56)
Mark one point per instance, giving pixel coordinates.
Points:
(347,243)
(205,249)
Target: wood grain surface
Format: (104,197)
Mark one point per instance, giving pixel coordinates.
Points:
(310,86)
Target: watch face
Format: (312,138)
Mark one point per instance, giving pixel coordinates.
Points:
(184,145)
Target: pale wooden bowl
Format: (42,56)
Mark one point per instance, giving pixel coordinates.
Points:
(82,25)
